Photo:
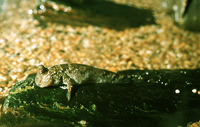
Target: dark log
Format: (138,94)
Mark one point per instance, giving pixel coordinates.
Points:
(154,98)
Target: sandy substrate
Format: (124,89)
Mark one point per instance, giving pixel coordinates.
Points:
(24,45)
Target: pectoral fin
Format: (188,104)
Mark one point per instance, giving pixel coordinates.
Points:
(69,89)
(68,82)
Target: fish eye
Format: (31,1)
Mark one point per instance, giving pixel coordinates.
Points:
(42,69)
(42,72)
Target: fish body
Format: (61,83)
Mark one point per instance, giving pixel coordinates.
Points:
(75,74)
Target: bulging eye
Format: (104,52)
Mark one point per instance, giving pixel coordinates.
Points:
(42,72)
(42,69)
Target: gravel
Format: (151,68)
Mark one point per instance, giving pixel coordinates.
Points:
(24,44)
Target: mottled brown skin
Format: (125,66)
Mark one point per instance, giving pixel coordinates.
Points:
(75,74)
